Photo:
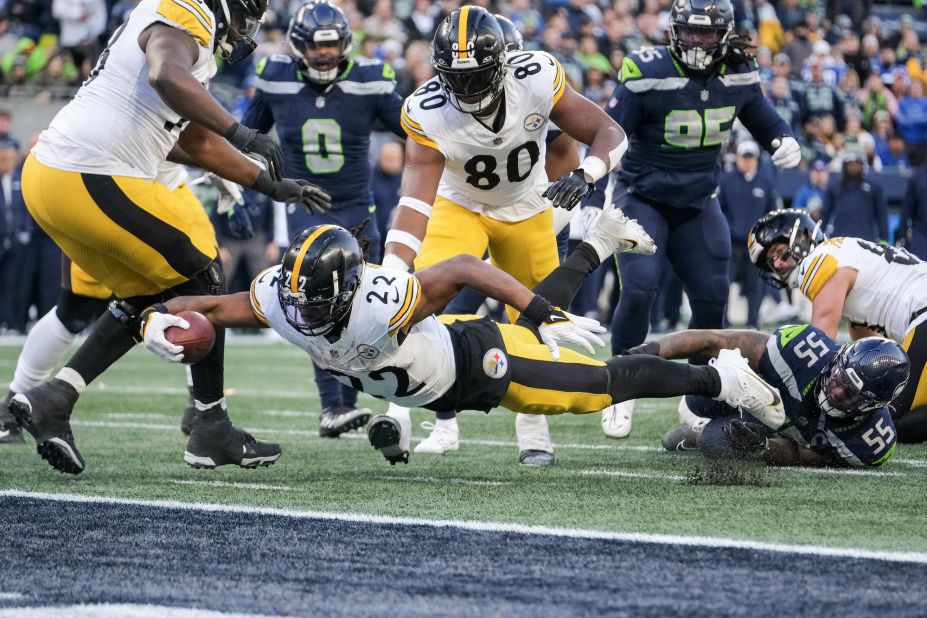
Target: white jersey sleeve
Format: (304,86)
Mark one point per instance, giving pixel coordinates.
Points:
(117,124)
(890,286)
(497,173)
(379,351)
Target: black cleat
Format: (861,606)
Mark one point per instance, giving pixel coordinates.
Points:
(219,443)
(385,435)
(341,419)
(683,437)
(45,412)
(530,457)
(10,433)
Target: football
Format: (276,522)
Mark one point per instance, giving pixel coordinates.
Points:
(197,340)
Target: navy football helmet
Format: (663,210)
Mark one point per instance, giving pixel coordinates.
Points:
(320,38)
(514,41)
(237,22)
(319,275)
(700,31)
(792,226)
(864,376)
(468,52)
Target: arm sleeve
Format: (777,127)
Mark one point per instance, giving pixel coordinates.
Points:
(763,121)
(258,115)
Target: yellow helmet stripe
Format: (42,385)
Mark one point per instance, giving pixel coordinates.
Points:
(294,278)
(462,33)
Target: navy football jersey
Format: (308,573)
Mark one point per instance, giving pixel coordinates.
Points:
(325,132)
(793,362)
(678,120)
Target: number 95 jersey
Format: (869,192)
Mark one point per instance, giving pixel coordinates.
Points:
(498,174)
(373,353)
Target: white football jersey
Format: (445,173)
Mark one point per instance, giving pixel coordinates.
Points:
(372,354)
(891,284)
(117,124)
(500,175)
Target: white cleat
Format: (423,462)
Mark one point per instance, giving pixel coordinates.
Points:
(614,229)
(742,388)
(617,418)
(686,415)
(444,437)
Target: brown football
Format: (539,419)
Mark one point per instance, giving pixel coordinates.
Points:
(197,340)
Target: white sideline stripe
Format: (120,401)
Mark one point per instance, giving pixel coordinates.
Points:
(233,485)
(441,481)
(360,436)
(120,610)
(290,413)
(153,415)
(633,475)
(11,596)
(917,463)
(575,533)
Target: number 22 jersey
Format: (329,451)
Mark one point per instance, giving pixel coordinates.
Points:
(376,351)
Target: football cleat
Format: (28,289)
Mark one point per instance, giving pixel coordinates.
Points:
(444,437)
(386,435)
(219,443)
(617,418)
(622,235)
(45,411)
(531,457)
(683,437)
(341,419)
(743,389)
(10,433)
(189,414)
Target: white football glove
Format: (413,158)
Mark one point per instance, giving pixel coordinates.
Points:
(563,327)
(787,152)
(153,333)
(229,193)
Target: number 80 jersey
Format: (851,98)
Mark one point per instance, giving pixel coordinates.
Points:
(498,174)
(376,351)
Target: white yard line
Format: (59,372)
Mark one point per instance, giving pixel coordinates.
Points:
(633,475)
(232,485)
(633,537)
(441,481)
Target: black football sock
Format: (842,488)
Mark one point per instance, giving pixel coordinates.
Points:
(633,377)
(107,343)
(208,377)
(563,283)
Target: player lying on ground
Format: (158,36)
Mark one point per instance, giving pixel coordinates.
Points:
(376,329)
(834,399)
(879,290)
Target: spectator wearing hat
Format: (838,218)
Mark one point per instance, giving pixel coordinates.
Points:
(810,196)
(912,121)
(746,195)
(913,229)
(854,205)
(820,98)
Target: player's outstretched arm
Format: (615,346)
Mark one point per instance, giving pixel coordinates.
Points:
(420,178)
(707,344)
(827,306)
(229,310)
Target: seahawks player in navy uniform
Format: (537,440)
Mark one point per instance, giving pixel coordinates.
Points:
(835,399)
(325,106)
(677,104)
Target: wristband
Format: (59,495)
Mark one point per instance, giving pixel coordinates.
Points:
(594,167)
(538,310)
(404,238)
(417,205)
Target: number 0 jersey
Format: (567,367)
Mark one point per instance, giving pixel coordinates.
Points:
(117,124)
(372,353)
(497,174)
(891,284)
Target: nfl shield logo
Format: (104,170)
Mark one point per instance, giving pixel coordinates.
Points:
(704,95)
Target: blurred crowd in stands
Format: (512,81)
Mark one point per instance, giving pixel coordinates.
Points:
(848,75)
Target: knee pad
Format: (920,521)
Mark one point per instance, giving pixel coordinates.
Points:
(208,282)
(706,314)
(78,312)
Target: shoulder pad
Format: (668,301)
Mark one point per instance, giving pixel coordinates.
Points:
(650,61)
(371,71)
(817,267)
(741,74)
(278,67)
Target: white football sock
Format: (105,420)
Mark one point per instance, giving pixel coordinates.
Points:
(45,346)
(73,378)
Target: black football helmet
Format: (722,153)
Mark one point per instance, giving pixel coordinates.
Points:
(864,376)
(700,30)
(468,52)
(237,22)
(514,41)
(319,26)
(319,275)
(792,226)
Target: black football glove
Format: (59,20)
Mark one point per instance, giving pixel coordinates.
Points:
(252,140)
(288,191)
(748,439)
(569,190)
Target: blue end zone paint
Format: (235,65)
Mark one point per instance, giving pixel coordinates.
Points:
(58,553)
